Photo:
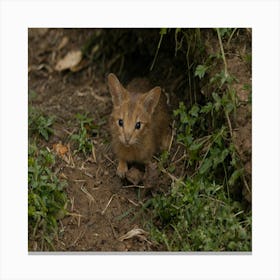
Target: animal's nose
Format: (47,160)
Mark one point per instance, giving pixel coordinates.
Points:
(127,138)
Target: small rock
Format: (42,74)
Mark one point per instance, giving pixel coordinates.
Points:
(134,176)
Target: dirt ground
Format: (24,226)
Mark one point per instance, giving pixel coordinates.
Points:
(103,208)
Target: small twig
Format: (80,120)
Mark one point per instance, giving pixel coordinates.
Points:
(246,184)
(99,98)
(106,156)
(75,215)
(222,51)
(110,200)
(92,93)
(170,175)
(79,181)
(70,157)
(68,132)
(87,174)
(82,233)
(132,202)
(172,137)
(175,154)
(113,230)
(93,154)
(134,186)
(79,216)
(84,190)
(158,47)
(230,37)
(229,124)
(72,200)
(181,158)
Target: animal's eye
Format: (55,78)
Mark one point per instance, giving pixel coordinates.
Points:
(120,122)
(137,125)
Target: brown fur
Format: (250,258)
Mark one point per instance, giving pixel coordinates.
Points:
(137,105)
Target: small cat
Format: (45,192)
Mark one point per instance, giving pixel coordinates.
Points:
(139,123)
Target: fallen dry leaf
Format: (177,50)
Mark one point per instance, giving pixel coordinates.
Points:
(72,59)
(60,149)
(134,232)
(84,63)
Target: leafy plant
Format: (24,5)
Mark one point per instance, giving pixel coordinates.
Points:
(206,131)
(201,213)
(87,130)
(47,200)
(196,216)
(40,124)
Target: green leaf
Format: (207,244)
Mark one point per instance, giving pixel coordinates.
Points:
(200,71)
(229,107)
(234,176)
(195,146)
(194,110)
(205,165)
(44,133)
(207,108)
(222,156)
(216,97)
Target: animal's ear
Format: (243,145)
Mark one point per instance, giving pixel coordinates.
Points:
(118,92)
(151,99)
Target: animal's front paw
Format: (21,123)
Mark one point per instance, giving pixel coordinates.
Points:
(122,169)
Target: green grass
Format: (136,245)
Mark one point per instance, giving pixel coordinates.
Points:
(86,131)
(39,124)
(205,211)
(47,199)
(198,216)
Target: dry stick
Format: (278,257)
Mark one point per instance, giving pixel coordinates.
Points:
(113,230)
(72,200)
(134,186)
(172,137)
(230,37)
(132,202)
(87,174)
(246,184)
(175,154)
(75,215)
(92,93)
(68,132)
(181,158)
(93,154)
(222,51)
(229,124)
(70,158)
(155,57)
(81,234)
(84,190)
(99,98)
(110,200)
(79,216)
(110,160)
(170,175)
(79,181)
